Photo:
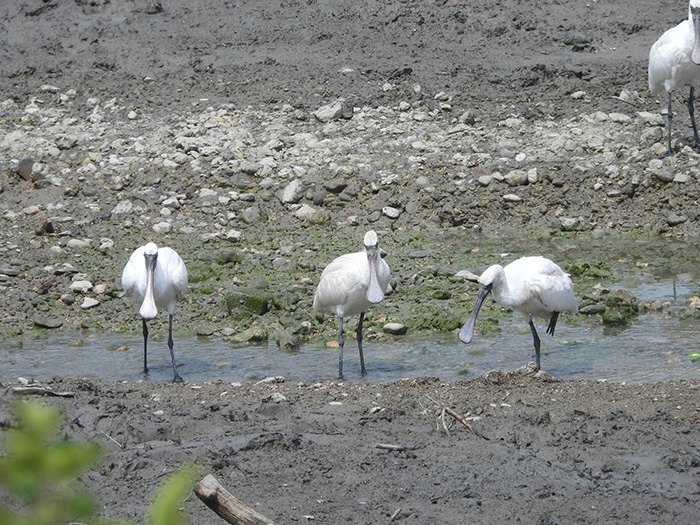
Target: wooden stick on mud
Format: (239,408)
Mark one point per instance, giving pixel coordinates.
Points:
(461,419)
(218,499)
(40,391)
(464,422)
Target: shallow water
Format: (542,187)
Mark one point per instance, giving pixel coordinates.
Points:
(654,347)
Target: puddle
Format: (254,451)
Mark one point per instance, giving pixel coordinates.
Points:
(654,347)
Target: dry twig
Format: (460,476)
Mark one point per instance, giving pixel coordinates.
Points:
(441,412)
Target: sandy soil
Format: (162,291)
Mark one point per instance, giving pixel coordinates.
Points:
(557,452)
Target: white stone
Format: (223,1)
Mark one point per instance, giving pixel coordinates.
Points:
(516,178)
(206,192)
(395,328)
(80,286)
(485,180)
(305,212)
(655,119)
(233,236)
(77,243)
(391,212)
(89,302)
(532,176)
(106,244)
(620,118)
(162,227)
(568,223)
(171,202)
(124,207)
(292,192)
(329,112)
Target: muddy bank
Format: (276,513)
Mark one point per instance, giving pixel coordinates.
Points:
(557,451)
(261,141)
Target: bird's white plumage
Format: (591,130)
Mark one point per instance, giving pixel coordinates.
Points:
(674,63)
(343,286)
(535,286)
(155,278)
(344,283)
(349,285)
(670,58)
(169,280)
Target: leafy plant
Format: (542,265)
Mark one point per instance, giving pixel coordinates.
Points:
(41,472)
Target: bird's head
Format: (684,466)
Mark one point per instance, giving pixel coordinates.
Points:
(150,249)
(490,276)
(371,240)
(150,252)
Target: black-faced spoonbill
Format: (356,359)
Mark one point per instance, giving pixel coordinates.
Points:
(674,62)
(349,285)
(534,286)
(155,278)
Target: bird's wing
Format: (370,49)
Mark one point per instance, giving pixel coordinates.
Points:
(345,278)
(131,273)
(175,268)
(554,290)
(670,64)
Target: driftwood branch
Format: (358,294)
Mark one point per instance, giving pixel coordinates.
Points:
(464,422)
(40,391)
(396,448)
(440,412)
(218,499)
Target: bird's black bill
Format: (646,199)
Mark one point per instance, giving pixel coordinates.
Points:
(467,332)
(695,13)
(375,294)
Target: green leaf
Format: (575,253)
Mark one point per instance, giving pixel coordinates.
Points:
(165,509)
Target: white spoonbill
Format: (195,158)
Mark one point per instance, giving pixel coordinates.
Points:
(674,61)
(534,286)
(155,278)
(349,285)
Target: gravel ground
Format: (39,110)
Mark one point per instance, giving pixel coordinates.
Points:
(262,139)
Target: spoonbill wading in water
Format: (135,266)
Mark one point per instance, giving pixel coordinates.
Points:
(155,278)
(674,61)
(349,285)
(534,286)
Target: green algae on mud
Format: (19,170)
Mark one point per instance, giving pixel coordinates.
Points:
(273,272)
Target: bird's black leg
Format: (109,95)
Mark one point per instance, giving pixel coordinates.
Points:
(669,118)
(341,344)
(536,341)
(145,347)
(691,112)
(359,344)
(177,378)
(552,323)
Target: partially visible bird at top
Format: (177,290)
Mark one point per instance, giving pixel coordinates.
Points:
(674,62)
(349,285)
(535,286)
(155,278)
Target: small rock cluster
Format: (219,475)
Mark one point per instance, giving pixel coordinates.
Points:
(85,181)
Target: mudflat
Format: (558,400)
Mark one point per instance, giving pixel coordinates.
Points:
(260,139)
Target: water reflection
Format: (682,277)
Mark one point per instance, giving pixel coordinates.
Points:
(654,347)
